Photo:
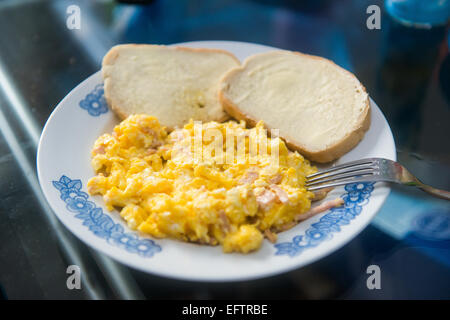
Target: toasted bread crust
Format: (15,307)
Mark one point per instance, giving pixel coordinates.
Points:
(331,153)
(113,53)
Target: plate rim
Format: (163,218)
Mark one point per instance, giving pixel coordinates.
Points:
(231,278)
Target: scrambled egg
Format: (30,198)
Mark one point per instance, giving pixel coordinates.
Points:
(160,188)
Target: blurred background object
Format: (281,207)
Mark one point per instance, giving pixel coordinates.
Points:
(420,13)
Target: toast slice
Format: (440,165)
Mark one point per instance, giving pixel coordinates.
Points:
(174,84)
(320,109)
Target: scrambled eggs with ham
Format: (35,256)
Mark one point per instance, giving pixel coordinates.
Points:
(160,189)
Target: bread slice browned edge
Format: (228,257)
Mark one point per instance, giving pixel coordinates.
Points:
(333,152)
(113,53)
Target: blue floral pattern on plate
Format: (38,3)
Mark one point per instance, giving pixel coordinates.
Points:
(98,222)
(94,103)
(355,198)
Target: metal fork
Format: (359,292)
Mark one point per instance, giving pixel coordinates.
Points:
(368,170)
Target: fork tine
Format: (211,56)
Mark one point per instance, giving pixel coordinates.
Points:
(340,183)
(338,177)
(353,169)
(342,166)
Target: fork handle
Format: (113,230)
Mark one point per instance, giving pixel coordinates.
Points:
(435,192)
(405,177)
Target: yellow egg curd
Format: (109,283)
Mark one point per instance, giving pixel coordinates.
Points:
(208,183)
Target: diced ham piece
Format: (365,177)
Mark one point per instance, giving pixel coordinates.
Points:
(226,223)
(249,177)
(270,235)
(288,226)
(100,150)
(265,199)
(320,208)
(275,179)
(149,131)
(156,143)
(321,194)
(282,196)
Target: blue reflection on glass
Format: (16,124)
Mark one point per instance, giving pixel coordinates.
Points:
(419,13)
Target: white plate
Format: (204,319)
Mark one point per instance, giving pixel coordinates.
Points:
(64,167)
